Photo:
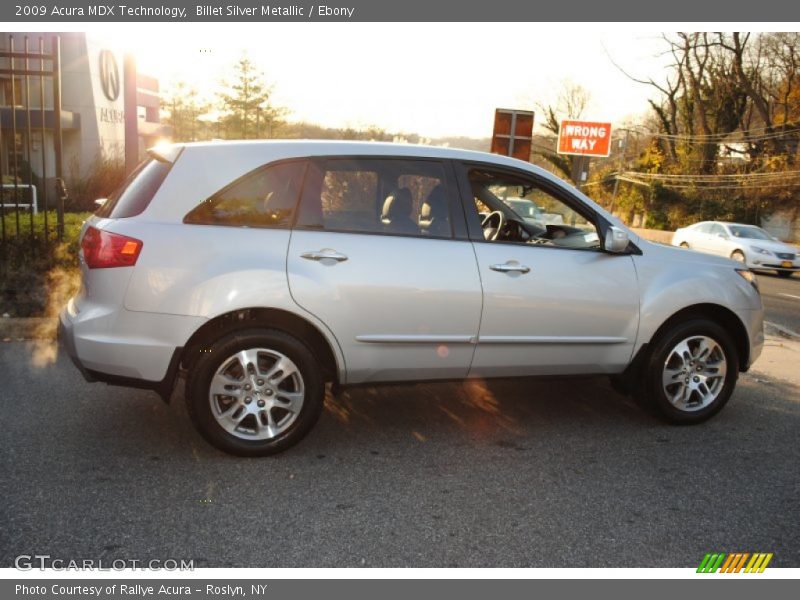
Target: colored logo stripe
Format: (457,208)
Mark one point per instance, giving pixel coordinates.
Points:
(733,563)
(758,563)
(710,563)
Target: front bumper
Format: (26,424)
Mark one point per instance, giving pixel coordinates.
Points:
(753,321)
(773,263)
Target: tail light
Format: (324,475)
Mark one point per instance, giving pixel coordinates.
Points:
(103,249)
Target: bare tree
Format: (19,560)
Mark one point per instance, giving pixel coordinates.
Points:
(571,103)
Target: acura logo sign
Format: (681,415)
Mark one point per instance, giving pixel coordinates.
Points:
(109,75)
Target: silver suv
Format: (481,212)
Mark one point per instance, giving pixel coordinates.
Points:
(261,271)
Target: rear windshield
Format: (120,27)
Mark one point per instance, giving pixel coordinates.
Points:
(133,196)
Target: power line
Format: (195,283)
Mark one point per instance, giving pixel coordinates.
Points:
(722,185)
(717,177)
(746,135)
(725,138)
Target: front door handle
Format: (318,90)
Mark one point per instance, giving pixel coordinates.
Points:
(511,266)
(324,254)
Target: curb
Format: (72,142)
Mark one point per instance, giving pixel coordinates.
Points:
(780,331)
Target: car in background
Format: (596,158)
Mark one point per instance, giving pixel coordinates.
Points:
(524,208)
(550,224)
(533,213)
(746,244)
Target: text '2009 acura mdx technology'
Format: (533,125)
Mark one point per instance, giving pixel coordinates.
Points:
(261,271)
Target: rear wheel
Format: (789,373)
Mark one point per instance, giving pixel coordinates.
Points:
(690,373)
(785,273)
(256,392)
(684,245)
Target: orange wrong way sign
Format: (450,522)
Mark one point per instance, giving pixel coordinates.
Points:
(587,138)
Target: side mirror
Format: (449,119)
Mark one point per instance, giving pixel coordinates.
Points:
(100,201)
(616,240)
(722,235)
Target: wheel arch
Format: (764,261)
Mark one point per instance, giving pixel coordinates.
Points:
(273,318)
(716,313)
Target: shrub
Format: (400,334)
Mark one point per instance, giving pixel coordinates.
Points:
(38,275)
(104,176)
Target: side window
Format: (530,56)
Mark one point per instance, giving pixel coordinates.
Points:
(532,214)
(717,229)
(392,196)
(704,228)
(266,197)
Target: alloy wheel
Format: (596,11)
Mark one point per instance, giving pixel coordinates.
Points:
(694,373)
(256,394)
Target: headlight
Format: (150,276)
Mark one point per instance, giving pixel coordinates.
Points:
(748,276)
(760,250)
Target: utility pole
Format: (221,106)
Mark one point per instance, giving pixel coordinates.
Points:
(580,170)
(624,150)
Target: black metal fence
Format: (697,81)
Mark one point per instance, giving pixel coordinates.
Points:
(30,187)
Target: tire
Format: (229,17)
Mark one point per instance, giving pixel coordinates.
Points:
(662,388)
(684,245)
(785,274)
(738,256)
(271,407)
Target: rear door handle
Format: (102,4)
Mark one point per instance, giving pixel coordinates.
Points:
(325,253)
(511,266)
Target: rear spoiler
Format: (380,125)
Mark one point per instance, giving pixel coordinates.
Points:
(166,153)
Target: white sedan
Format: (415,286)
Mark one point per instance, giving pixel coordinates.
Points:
(748,244)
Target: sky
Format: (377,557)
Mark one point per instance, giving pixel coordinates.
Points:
(433,79)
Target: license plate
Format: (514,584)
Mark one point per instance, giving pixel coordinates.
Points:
(786,264)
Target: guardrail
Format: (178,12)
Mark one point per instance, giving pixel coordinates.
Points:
(654,235)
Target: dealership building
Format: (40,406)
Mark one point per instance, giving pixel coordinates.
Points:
(92,113)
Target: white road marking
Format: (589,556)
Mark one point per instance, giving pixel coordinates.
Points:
(789,295)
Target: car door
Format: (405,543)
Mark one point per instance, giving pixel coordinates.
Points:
(718,240)
(555,304)
(400,293)
(706,239)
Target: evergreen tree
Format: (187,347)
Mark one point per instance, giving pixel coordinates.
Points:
(246,106)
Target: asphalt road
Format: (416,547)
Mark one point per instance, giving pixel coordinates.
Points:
(781,299)
(505,474)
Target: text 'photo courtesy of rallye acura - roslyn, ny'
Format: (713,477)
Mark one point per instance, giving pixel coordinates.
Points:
(261,272)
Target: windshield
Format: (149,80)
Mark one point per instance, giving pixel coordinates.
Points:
(751,233)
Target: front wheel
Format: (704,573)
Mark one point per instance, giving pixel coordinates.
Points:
(690,372)
(256,392)
(738,256)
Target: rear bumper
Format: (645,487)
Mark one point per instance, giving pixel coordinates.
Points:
(66,344)
(138,356)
